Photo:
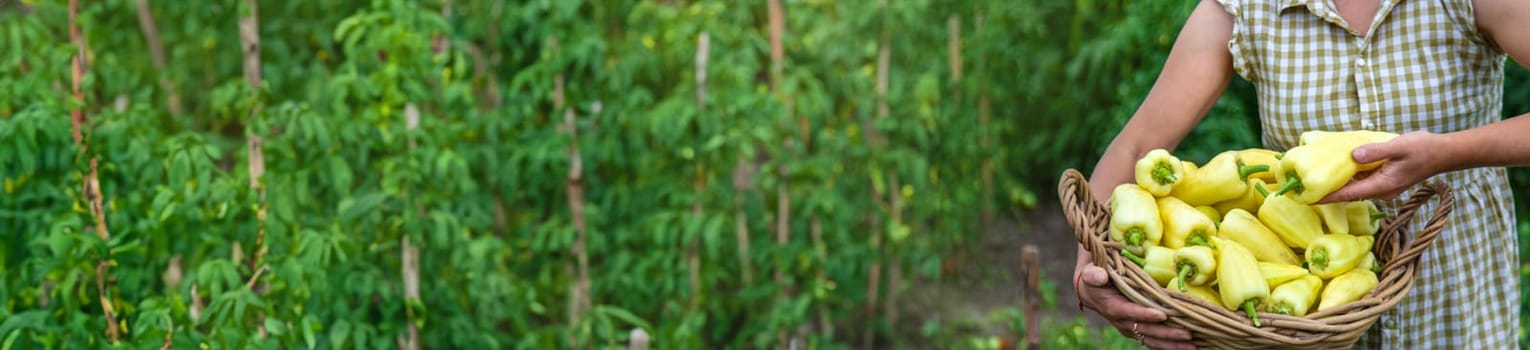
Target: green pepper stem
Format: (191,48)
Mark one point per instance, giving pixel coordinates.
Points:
(1319,259)
(1135,236)
(1293,183)
(1163,173)
(1282,308)
(1246,170)
(1280,156)
(1184,271)
(1262,191)
(1248,306)
(1133,257)
(1197,238)
(1377,215)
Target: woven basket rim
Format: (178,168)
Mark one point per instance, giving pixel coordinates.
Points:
(1214,326)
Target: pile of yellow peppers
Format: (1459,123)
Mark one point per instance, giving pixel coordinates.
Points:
(1244,231)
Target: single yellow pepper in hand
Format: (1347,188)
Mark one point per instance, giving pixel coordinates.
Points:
(1296,297)
(1158,172)
(1183,225)
(1350,286)
(1134,218)
(1313,170)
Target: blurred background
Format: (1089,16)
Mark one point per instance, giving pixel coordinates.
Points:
(807,174)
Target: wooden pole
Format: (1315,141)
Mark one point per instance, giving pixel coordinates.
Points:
(157,53)
(91,185)
(699,183)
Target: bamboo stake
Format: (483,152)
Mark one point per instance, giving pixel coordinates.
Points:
(91,185)
(693,249)
(249,39)
(157,53)
(884,63)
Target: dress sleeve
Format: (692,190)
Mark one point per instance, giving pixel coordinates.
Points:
(1464,17)
(1239,46)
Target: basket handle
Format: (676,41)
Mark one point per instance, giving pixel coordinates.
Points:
(1085,215)
(1391,244)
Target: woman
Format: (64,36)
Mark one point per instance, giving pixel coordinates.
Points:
(1431,69)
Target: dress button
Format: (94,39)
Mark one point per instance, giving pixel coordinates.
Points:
(1360,62)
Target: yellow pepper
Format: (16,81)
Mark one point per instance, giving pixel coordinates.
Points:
(1203,293)
(1238,278)
(1276,274)
(1363,217)
(1332,255)
(1296,224)
(1240,226)
(1358,136)
(1134,218)
(1295,297)
(1211,213)
(1350,286)
(1158,172)
(1369,263)
(1315,135)
(1335,216)
(1260,156)
(1315,169)
(1183,225)
(1197,265)
(1251,199)
(1220,179)
(1158,263)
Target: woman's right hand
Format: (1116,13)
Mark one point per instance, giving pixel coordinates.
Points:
(1135,321)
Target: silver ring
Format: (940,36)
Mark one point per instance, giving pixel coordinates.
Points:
(1136,334)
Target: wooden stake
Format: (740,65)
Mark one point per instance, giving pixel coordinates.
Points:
(157,53)
(693,249)
(249,40)
(91,185)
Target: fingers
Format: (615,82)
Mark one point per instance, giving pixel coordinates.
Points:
(1097,293)
(1155,335)
(1153,343)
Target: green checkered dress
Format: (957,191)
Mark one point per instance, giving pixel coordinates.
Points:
(1422,65)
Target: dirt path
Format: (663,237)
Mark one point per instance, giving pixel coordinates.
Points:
(985,278)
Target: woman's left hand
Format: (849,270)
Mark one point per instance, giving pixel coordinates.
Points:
(1411,158)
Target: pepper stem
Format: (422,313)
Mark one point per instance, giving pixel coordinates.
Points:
(1184,271)
(1293,182)
(1262,191)
(1319,259)
(1246,170)
(1282,308)
(1377,215)
(1197,238)
(1135,236)
(1163,173)
(1133,257)
(1248,306)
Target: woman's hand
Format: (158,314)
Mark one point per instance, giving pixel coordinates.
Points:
(1135,321)
(1411,158)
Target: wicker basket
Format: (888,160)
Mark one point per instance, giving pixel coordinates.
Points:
(1215,327)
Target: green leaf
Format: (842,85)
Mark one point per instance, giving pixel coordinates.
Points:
(275,326)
